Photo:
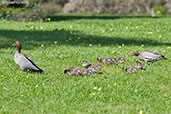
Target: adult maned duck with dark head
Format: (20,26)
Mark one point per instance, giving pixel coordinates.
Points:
(23,61)
(148,56)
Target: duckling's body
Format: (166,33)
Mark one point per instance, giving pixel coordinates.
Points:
(74,71)
(130,69)
(106,60)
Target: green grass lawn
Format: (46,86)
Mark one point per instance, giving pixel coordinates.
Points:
(66,41)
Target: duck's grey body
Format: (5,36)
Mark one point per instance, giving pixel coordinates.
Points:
(25,62)
(150,56)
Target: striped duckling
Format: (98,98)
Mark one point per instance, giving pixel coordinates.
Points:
(88,72)
(120,60)
(130,69)
(107,60)
(95,68)
(148,56)
(23,61)
(139,65)
(74,71)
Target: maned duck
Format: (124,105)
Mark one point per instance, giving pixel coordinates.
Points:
(74,71)
(139,65)
(107,60)
(148,56)
(130,69)
(23,61)
(95,68)
(120,60)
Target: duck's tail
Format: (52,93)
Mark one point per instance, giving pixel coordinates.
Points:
(40,70)
(163,57)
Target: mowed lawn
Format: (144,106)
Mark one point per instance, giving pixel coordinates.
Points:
(67,40)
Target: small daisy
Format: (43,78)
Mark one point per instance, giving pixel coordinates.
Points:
(41,28)
(95,88)
(36,86)
(55,42)
(140,112)
(99,89)
(142,45)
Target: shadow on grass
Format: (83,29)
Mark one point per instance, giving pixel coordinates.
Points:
(32,39)
(75,17)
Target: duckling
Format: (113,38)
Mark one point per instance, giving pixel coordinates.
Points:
(74,71)
(95,68)
(106,60)
(88,72)
(130,69)
(139,65)
(120,60)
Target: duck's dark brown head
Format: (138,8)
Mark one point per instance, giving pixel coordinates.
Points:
(18,45)
(135,53)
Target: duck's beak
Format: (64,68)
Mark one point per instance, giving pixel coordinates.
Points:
(13,44)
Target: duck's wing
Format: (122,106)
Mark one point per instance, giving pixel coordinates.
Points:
(30,64)
(152,52)
(151,55)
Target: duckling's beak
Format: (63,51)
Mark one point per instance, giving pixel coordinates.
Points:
(13,44)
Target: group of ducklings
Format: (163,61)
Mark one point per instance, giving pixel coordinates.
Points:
(93,69)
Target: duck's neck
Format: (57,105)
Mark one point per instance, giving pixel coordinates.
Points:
(18,49)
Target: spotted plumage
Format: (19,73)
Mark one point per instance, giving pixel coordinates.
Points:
(106,60)
(88,72)
(74,71)
(130,69)
(95,68)
(120,60)
(139,65)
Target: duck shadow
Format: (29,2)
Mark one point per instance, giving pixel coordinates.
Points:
(34,38)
